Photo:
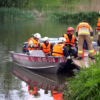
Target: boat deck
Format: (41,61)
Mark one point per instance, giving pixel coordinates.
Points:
(85,61)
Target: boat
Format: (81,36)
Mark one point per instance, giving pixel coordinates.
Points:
(39,62)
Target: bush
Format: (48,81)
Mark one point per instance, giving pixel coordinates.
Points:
(86,84)
(74,17)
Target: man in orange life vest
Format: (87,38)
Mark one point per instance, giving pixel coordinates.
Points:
(33,43)
(71,42)
(46,46)
(98,31)
(84,32)
(60,50)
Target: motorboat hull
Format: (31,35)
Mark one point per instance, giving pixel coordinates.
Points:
(44,64)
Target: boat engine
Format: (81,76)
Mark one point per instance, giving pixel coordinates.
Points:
(25,47)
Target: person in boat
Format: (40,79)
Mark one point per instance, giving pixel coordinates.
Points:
(33,91)
(60,50)
(98,31)
(46,46)
(33,43)
(84,32)
(71,42)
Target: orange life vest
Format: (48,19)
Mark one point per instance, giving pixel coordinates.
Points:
(98,24)
(57,50)
(57,96)
(83,24)
(68,41)
(46,49)
(34,42)
(33,91)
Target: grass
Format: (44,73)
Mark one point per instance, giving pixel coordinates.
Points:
(86,84)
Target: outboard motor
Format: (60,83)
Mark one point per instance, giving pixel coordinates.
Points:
(25,47)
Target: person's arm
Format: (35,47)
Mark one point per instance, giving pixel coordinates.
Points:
(30,43)
(77,31)
(51,47)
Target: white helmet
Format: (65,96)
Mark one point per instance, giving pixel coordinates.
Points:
(45,38)
(37,35)
(61,40)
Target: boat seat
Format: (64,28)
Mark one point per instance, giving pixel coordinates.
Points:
(38,53)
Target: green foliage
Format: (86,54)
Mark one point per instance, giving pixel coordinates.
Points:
(14,13)
(74,17)
(86,84)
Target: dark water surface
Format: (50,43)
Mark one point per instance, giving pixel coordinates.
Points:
(15,86)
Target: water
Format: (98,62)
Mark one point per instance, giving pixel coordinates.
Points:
(15,86)
(12,37)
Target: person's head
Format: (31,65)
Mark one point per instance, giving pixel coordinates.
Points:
(61,40)
(46,40)
(36,36)
(70,30)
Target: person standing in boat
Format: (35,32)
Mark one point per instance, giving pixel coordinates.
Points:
(71,42)
(98,31)
(60,50)
(33,43)
(46,46)
(84,32)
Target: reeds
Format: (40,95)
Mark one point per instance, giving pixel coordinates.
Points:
(14,14)
(86,84)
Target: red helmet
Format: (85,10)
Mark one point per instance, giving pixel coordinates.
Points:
(70,29)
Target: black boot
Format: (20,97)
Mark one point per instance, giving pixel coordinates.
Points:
(91,57)
(79,58)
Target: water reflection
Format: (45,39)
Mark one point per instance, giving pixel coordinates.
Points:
(41,85)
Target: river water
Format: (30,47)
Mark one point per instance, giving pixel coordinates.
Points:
(14,79)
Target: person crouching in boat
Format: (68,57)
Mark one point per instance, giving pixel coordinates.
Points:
(71,42)
(33,43)
(60,50)
(46,46)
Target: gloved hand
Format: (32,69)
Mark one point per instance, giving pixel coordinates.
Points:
(70,61)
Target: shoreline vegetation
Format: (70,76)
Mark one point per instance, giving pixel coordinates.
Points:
(85,85)
(58,10)
(54,16)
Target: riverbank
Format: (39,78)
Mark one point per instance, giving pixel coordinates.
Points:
(86,84)
(58,16)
